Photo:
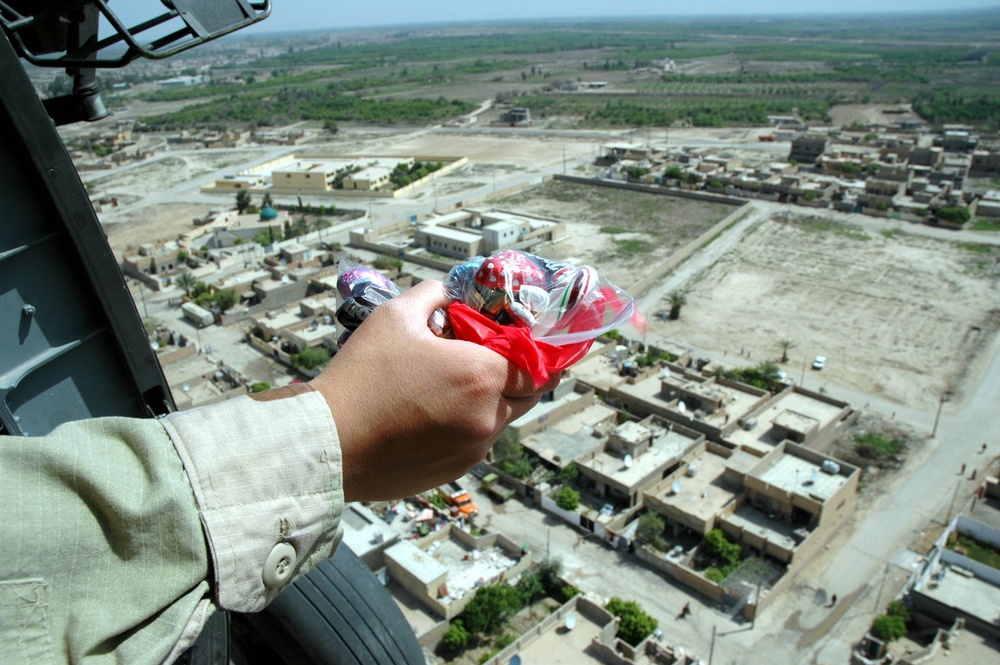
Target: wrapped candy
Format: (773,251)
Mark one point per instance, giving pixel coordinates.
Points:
(542,315)
(363,289)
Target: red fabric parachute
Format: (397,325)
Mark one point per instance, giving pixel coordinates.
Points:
(539,359)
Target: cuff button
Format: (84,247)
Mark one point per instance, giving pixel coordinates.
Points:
(279,565)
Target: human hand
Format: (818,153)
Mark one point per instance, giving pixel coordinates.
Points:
(413,410)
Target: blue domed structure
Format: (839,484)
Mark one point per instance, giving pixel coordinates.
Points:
(267,213)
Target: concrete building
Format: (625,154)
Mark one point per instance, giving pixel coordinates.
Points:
(443,569)
(634,456)
(467,233)
(807,149)
(782,506)
(368,179)
(518,116)
(949,585)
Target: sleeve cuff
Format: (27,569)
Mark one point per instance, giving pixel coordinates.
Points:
(267,480)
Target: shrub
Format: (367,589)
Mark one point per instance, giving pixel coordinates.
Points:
(455,638)
(490,608)
(568,498)
(650,531)
(634,625)
(718,546)
(713,574)
(888,628)
(260,386)
(505,640)
(954,214)
(311,358)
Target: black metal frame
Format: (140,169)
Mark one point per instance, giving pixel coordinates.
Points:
(199,21)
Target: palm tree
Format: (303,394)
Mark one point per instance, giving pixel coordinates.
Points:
(785,345)
(186,281)
(677,299)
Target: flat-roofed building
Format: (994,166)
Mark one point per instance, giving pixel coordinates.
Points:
(442,570)
(368,179)
(796,414)
(467,233)
(637,454)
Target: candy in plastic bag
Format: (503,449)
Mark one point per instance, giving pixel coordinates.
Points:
(363,289)
(542,315)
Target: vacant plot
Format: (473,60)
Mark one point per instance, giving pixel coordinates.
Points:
(896,314)
(620,232)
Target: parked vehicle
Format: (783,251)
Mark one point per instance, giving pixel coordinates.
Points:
(496,488)
(819,362)
(459,500)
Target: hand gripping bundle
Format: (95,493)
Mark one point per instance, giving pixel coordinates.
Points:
(541,315)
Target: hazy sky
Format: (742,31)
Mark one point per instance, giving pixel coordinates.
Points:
(307,14)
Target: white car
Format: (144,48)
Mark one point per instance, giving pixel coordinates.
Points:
(819,362)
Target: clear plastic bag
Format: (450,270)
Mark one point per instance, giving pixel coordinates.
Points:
(541,315)
(559,302)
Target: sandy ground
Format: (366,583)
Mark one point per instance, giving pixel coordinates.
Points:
(843,115)
(896,315)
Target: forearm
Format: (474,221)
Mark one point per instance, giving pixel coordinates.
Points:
(127,533)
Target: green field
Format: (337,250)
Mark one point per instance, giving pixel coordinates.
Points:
(729,72)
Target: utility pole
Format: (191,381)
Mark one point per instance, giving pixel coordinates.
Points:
(937,416)
(756,606)
(711,649)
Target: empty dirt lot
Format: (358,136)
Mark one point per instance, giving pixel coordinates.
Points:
(896,314)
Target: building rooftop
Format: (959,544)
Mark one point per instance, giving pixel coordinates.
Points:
(559,646)
(798,476)
(702,495)
(749,519)
(469,568)
(965,593)
(570,437)
(419,563)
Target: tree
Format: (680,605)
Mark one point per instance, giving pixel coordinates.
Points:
(311,358)
(186,280)
(650,531)
(267,200)
(568,498)
(954,214)
(634,624)
(242,201)
(490,608)
(887,627)
(530,588)
(786,345)
(455,638)
(677,299)
(719,547)
(225,299)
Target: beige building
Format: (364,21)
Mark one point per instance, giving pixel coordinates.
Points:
(443,570)
(783,505)
(467,233)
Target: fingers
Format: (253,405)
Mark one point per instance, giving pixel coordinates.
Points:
(520,384)
(423,298)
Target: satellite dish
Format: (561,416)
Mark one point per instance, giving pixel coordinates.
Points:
(628,461)
(571,621)
(515,659)
(675,487)
(665,373)
(681,407)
